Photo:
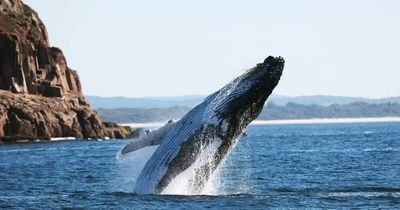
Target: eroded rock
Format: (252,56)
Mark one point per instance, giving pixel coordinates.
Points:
(40,96)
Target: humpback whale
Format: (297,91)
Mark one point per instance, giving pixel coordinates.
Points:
(191,149)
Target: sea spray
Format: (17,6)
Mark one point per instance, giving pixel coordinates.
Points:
(187,182)
(220,185)
(129,167)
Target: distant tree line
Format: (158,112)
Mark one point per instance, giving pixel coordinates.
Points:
(270,112)
(142,115)
(352,110)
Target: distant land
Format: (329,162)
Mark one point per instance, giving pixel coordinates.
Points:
(161,109)
(271,112)
(146,102)
(143,115)
(191,101)
(352,110)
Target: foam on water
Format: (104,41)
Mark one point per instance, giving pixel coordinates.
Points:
(363,194)
(216,185)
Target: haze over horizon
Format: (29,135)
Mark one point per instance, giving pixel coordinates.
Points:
(203,96)
(175,48)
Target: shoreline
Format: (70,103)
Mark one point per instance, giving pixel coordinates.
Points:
(293,121)
(327,120)
(155,125)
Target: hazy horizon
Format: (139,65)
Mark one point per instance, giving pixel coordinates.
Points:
(204,95)
(175,48)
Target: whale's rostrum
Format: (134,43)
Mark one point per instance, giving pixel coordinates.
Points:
(193,147)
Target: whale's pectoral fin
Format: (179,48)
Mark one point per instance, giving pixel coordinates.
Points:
(137,145)
(152,139)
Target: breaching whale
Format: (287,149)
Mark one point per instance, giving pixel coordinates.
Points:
(191,149)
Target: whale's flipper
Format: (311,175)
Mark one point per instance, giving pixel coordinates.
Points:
(152,139)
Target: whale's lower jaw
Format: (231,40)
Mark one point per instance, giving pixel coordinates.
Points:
(195,146)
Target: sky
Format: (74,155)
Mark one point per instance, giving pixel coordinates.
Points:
(171,48)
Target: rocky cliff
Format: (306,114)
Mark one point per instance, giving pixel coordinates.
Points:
(40,96)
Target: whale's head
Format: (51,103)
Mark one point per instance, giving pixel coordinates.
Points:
(241,101)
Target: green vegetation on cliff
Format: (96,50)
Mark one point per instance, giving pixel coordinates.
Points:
(352,110)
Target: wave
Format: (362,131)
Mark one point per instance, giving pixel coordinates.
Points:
(364,192)
(388,149)
(30,197)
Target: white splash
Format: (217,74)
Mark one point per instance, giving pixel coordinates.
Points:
(129,168)
(216,183)
(183,183)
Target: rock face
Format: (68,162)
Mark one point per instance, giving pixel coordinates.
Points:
(40,96)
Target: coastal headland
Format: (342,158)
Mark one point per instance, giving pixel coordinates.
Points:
(40,96)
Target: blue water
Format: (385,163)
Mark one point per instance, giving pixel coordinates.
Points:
(289,166)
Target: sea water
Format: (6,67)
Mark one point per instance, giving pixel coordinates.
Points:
(285,166)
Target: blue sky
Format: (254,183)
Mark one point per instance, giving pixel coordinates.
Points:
(169,48)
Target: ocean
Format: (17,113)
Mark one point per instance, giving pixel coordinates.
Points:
(335,166)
